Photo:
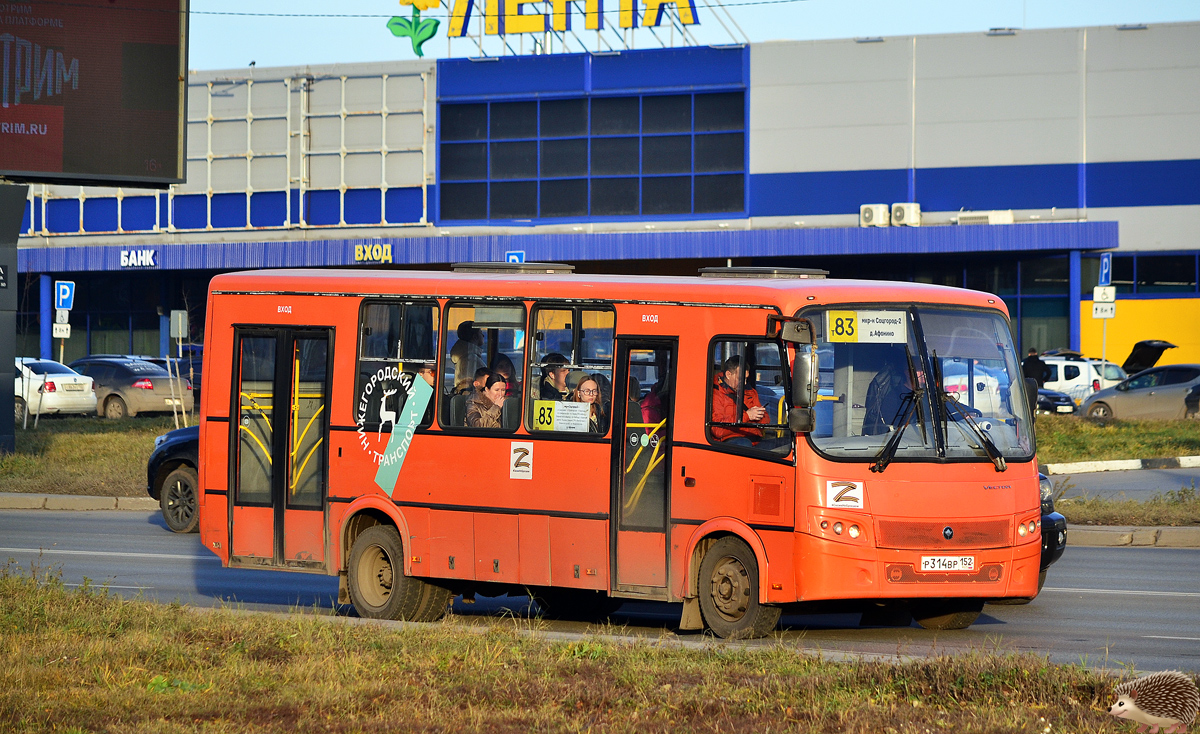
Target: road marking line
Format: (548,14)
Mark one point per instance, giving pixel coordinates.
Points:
(1126,591)
(1164,637)
(109,586)
(118,554)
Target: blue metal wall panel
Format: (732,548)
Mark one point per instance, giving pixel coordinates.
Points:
(566,247)
(363,206)
(828,192)
(512,76)
(228,211)
(1144,183)
(100,214)
(695,68)
(998,187)
(322,207)
(190,211)
(404,205)
(268,209)
(137,213)
(27,216)
(62,215)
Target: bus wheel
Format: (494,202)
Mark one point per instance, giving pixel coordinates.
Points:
(577,605)
(729,592)
(378,587)
(947,614)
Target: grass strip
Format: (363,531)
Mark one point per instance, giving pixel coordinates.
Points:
(1173,508)
(79,660)
(1069,438)
(82,455)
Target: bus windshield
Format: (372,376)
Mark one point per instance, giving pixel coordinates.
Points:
(918,383)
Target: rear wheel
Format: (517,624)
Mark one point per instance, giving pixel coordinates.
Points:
(178,499)
(378,587)
(1100,412)
(947,614)
(19,410)
(114,408)
(729,592)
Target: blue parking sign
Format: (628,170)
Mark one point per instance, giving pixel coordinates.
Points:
(1105,269)
(64,294)
(514,256)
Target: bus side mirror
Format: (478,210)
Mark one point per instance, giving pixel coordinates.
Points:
(801,420)
(804,378)
(1031,388)
(790,330)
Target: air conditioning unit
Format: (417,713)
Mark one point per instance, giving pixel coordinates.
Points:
(873,215)
(906,215)
(1000,216)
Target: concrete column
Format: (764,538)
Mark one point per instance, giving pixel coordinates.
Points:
(46,316)
(1074,281)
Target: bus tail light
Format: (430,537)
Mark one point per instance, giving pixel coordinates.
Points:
(144,384)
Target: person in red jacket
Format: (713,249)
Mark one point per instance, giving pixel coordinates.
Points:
(725,410)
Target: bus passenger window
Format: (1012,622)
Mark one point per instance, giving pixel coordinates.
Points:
(482,339)
(397,345)
(570,384)
(748,405)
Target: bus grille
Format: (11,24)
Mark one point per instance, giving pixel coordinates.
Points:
(910,534)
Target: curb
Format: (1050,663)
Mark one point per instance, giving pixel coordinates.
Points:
(1087,467)
(1095,536)
(19,501)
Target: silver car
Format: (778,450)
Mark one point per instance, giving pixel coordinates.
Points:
(1157,393)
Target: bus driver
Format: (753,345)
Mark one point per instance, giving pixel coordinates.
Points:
(724,409)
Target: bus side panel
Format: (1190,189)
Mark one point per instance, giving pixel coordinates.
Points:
(639,560)
(214,508)
(451,544)
(781,550)
(579,553)
(733,486)
(254,532)
(497,550)
(420,562)
(533,537)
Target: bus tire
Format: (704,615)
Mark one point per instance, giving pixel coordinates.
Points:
(947,614)
(576,605)
(729,592)
(378,587)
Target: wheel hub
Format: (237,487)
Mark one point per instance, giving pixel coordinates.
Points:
(377,576)
(731,589)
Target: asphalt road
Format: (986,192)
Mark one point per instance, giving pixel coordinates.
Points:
(1101,606)
(1137,485)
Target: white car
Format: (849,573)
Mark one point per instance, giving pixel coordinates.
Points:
(44,387)
(1079,377)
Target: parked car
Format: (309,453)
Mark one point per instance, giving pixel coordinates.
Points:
(126,387)
(43,386)
(171,478)
(1052,402)
(1145,354)
(1054,537)
(189,366)
(1158,393)
(1078,376)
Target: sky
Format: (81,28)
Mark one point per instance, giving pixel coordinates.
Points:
(223,34)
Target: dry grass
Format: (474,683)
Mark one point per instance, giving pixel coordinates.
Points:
(81,660)
(83,455)
(1068,438)
(1173,508)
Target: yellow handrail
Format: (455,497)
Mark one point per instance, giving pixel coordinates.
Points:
(296,477)
(296,444)
(638,453)
(257,441)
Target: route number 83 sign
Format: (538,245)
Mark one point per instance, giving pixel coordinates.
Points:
(869,327)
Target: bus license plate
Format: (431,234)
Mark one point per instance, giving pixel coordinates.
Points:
(947,563)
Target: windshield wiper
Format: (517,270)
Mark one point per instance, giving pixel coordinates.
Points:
(949,401)
(888,452)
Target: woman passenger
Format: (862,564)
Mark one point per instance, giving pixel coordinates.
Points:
(588,391)
(484,408)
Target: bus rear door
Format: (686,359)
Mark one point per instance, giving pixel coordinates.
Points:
(642,465)
(280,448)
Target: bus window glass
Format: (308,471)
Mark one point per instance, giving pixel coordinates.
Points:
(483,337)
(397,344)
(749,407)
(256,419)
(647,416)
(873,382)
(570,387)
(306,422)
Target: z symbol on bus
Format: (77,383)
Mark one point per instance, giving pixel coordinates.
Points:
(519,458)
(844,494)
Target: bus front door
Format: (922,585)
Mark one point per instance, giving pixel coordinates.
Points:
(643,405)
(280,448)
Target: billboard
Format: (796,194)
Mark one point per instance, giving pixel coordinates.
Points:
(93,91)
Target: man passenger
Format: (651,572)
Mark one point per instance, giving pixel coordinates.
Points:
(726,410)
(554,382)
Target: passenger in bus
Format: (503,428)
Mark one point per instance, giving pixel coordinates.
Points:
(479,382)
(467,354)
(425,372)
(886,395)
(588,391)
(503,366)
(554,378)
(484,408)
(726,410)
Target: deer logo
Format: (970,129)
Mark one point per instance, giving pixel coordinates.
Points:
(385,415)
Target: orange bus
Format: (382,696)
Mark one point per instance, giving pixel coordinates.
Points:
(743,442)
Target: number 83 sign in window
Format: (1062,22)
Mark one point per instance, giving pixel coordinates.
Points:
(878,327)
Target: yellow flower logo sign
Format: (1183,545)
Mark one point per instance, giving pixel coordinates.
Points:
(419,31)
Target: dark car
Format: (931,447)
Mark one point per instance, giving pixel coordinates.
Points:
(1054,537)
(1054,402)
(127,386)
(171,477)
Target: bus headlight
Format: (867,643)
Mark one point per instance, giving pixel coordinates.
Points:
(853,531)
(1021,530)
(837,528)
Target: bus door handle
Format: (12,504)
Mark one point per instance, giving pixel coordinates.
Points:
(687,481)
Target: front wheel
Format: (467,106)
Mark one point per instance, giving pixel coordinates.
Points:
(729,592)
(1100,412)
(947,614)
(178,499)
(378,587)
